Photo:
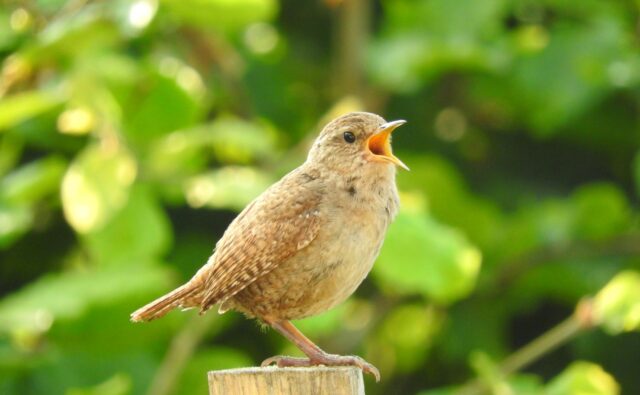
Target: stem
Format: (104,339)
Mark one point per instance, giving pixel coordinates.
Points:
(181,349)
(579,321)
(544,344)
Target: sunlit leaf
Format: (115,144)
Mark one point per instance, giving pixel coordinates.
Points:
(178,154)
(583,378)
(420,255)
(117,385)
(31,182)
(617,305)
(22,106)
(229,139)
(222,14)
(325,323)
(525,384)
(409,330)
(58,296)
(238,141)
(71,34)
(7,34)
(229,187)
(15,220)
(96,185)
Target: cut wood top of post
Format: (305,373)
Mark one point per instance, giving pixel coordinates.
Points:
(317,380)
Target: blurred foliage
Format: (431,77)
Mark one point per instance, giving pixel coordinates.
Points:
(132,131)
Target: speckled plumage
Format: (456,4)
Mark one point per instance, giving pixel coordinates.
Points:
(306,243)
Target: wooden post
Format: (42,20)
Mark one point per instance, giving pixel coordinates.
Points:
(317,380)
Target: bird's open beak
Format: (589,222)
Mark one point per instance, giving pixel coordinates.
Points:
(380,143)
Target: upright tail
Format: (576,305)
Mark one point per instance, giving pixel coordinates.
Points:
(180,296)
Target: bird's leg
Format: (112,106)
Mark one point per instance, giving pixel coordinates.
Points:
(316,355)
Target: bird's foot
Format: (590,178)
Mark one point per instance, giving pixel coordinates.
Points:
(324,359)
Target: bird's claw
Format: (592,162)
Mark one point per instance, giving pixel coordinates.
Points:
(283,361)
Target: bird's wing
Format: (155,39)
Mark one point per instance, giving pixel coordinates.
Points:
(283,220)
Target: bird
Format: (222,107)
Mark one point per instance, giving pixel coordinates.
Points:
(306,243)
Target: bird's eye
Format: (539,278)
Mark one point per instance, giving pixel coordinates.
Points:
(349,137)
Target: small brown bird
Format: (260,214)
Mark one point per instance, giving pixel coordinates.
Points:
(307,242)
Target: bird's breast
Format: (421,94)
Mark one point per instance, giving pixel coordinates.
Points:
(342,255)
(356,230)
(354,221)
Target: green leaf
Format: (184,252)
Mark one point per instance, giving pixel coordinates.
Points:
(33,181)
(119,384)
(74,35)
(636,172)
(22,188)
(85,369)
(400,63)
(8,35)
(137,233)
(583,378)
(440,391)
(450,201)
(549,222)
(237,141)
(67,295)
(166,107)
(222,14)
(580,76)
(561,280)
(422,256)
(96,186)
(489,333)
(22,106)
(410,330)
(327,322)
(424,37)
(11,147)
(230,187)
(232,140)
(601,211)
(15,220)
(617,305)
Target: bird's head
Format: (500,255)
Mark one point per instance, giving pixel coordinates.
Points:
(356,139)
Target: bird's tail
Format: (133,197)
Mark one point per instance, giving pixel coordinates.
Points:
(161,306)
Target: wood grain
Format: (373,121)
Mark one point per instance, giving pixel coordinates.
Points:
(319,380)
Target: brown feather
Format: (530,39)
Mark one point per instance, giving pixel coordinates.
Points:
(280,222)
(163,304)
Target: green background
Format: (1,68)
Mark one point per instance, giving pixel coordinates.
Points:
(132,132)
